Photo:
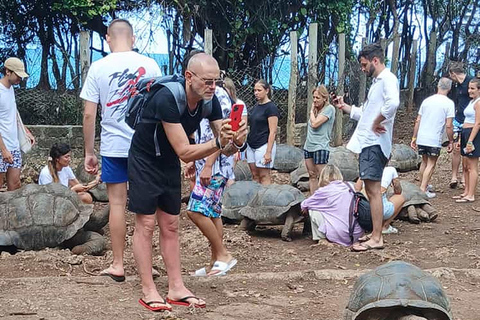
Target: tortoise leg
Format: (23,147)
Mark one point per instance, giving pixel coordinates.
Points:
(288,226)
(247,224)
(412,214)
(307,226)
(403,215)
(422,215)
(432,212)
(86,242)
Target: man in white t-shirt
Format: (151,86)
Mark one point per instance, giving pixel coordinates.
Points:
(372,138)
(109,82)
(11,160)
(434,117)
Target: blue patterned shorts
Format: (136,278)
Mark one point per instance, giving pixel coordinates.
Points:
(17,161)
(208,200)
(319,156)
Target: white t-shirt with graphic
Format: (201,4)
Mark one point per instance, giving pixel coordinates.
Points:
(434,112)
(389,173)
(64,176)
(109,82)
(8,118)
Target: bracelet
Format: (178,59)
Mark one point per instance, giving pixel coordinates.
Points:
(470,143)
(218,144)
(414,138)
(237,146)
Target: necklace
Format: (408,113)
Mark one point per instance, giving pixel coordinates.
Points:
(195,113)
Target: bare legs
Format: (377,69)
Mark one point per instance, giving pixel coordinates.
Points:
(13,179)
(470,165)
(398,200)
(456,160)
(261,175)
(314,171)
(428,166)
(170,249)
(117,195)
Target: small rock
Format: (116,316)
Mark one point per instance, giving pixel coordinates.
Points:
(5,255)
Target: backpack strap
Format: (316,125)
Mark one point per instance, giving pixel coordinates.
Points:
(178,92)
(351,212)
(207,109)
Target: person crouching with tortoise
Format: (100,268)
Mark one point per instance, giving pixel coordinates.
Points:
(58,170)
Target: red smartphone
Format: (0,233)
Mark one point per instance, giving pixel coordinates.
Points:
(236,116)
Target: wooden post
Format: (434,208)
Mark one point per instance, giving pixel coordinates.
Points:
(85,52)
(396,48)
(411,75)
(292,88)
(208,41)
(363,80)
(338,124)
(312,64)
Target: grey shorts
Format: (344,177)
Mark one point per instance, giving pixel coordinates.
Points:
(371,162)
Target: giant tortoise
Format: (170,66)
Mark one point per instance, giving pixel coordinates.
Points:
(404,158)
(287,158)
(242,171)
(35,217)
(416,208)
(237,196)
(341,157)
(99,193)
(274,205)
(398,290)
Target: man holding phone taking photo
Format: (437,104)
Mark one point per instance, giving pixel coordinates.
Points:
(212,175)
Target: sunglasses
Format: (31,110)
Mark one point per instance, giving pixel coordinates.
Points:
(208,82)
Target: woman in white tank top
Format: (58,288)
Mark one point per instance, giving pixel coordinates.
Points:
(470,143)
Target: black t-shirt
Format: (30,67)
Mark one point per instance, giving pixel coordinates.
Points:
(162,107)
(258,120)
(459,95)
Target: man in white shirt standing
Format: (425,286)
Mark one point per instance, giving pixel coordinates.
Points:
(435,115)
(109,82)
(372,138)
(11,160)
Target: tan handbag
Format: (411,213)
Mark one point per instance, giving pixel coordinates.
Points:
(23,139)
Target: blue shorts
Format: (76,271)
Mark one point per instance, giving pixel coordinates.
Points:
(457,129)
(319,156)
(114,170)
(388,207)
(208,200)
(17,161)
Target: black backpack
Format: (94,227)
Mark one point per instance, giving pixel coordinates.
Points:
(360,210)
(145,89)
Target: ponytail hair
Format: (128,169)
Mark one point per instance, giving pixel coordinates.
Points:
(265,86)
(56,151)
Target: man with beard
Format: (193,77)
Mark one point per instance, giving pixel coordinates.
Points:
(372,138)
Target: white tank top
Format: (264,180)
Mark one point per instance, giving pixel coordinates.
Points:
(469,112)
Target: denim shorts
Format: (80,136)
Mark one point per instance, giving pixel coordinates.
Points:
(371,163)
(319,156)
(17,161)
(388,207)
(114,170)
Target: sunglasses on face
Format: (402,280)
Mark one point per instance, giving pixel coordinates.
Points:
(208,82)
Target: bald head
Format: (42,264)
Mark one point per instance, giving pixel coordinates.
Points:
(120,28)
(201,61)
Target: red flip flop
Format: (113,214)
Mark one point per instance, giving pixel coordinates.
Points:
(184,302)
(148,305)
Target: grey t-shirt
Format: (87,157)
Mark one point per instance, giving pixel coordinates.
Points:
(319,138)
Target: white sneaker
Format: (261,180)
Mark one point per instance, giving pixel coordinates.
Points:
(430,188)
(430,194)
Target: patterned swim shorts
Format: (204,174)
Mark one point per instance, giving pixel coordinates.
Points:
(207,200)
(17,161)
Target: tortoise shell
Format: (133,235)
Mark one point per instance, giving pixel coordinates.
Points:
(404,158)
(401,286)
(35,217)
(237,196)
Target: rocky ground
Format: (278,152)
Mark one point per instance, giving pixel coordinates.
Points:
(273,279)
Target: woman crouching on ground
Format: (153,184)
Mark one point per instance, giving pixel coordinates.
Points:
(319,129)
(470,143)
(58,171)
(329,209)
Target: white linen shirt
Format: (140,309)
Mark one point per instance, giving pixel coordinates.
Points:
(383,98)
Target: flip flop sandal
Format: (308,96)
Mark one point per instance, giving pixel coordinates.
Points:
(202,272)
(184,302)
(148,305)
(366,247)
(222,267)
(457,197)
(114,277)
(463,200)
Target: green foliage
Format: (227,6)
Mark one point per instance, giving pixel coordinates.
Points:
(86,8)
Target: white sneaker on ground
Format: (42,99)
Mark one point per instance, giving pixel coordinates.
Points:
(390,230)
(430,194)
(430,188)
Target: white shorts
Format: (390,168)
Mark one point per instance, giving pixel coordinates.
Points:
(256,156)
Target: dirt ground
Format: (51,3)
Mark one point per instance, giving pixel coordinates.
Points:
(272,280)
